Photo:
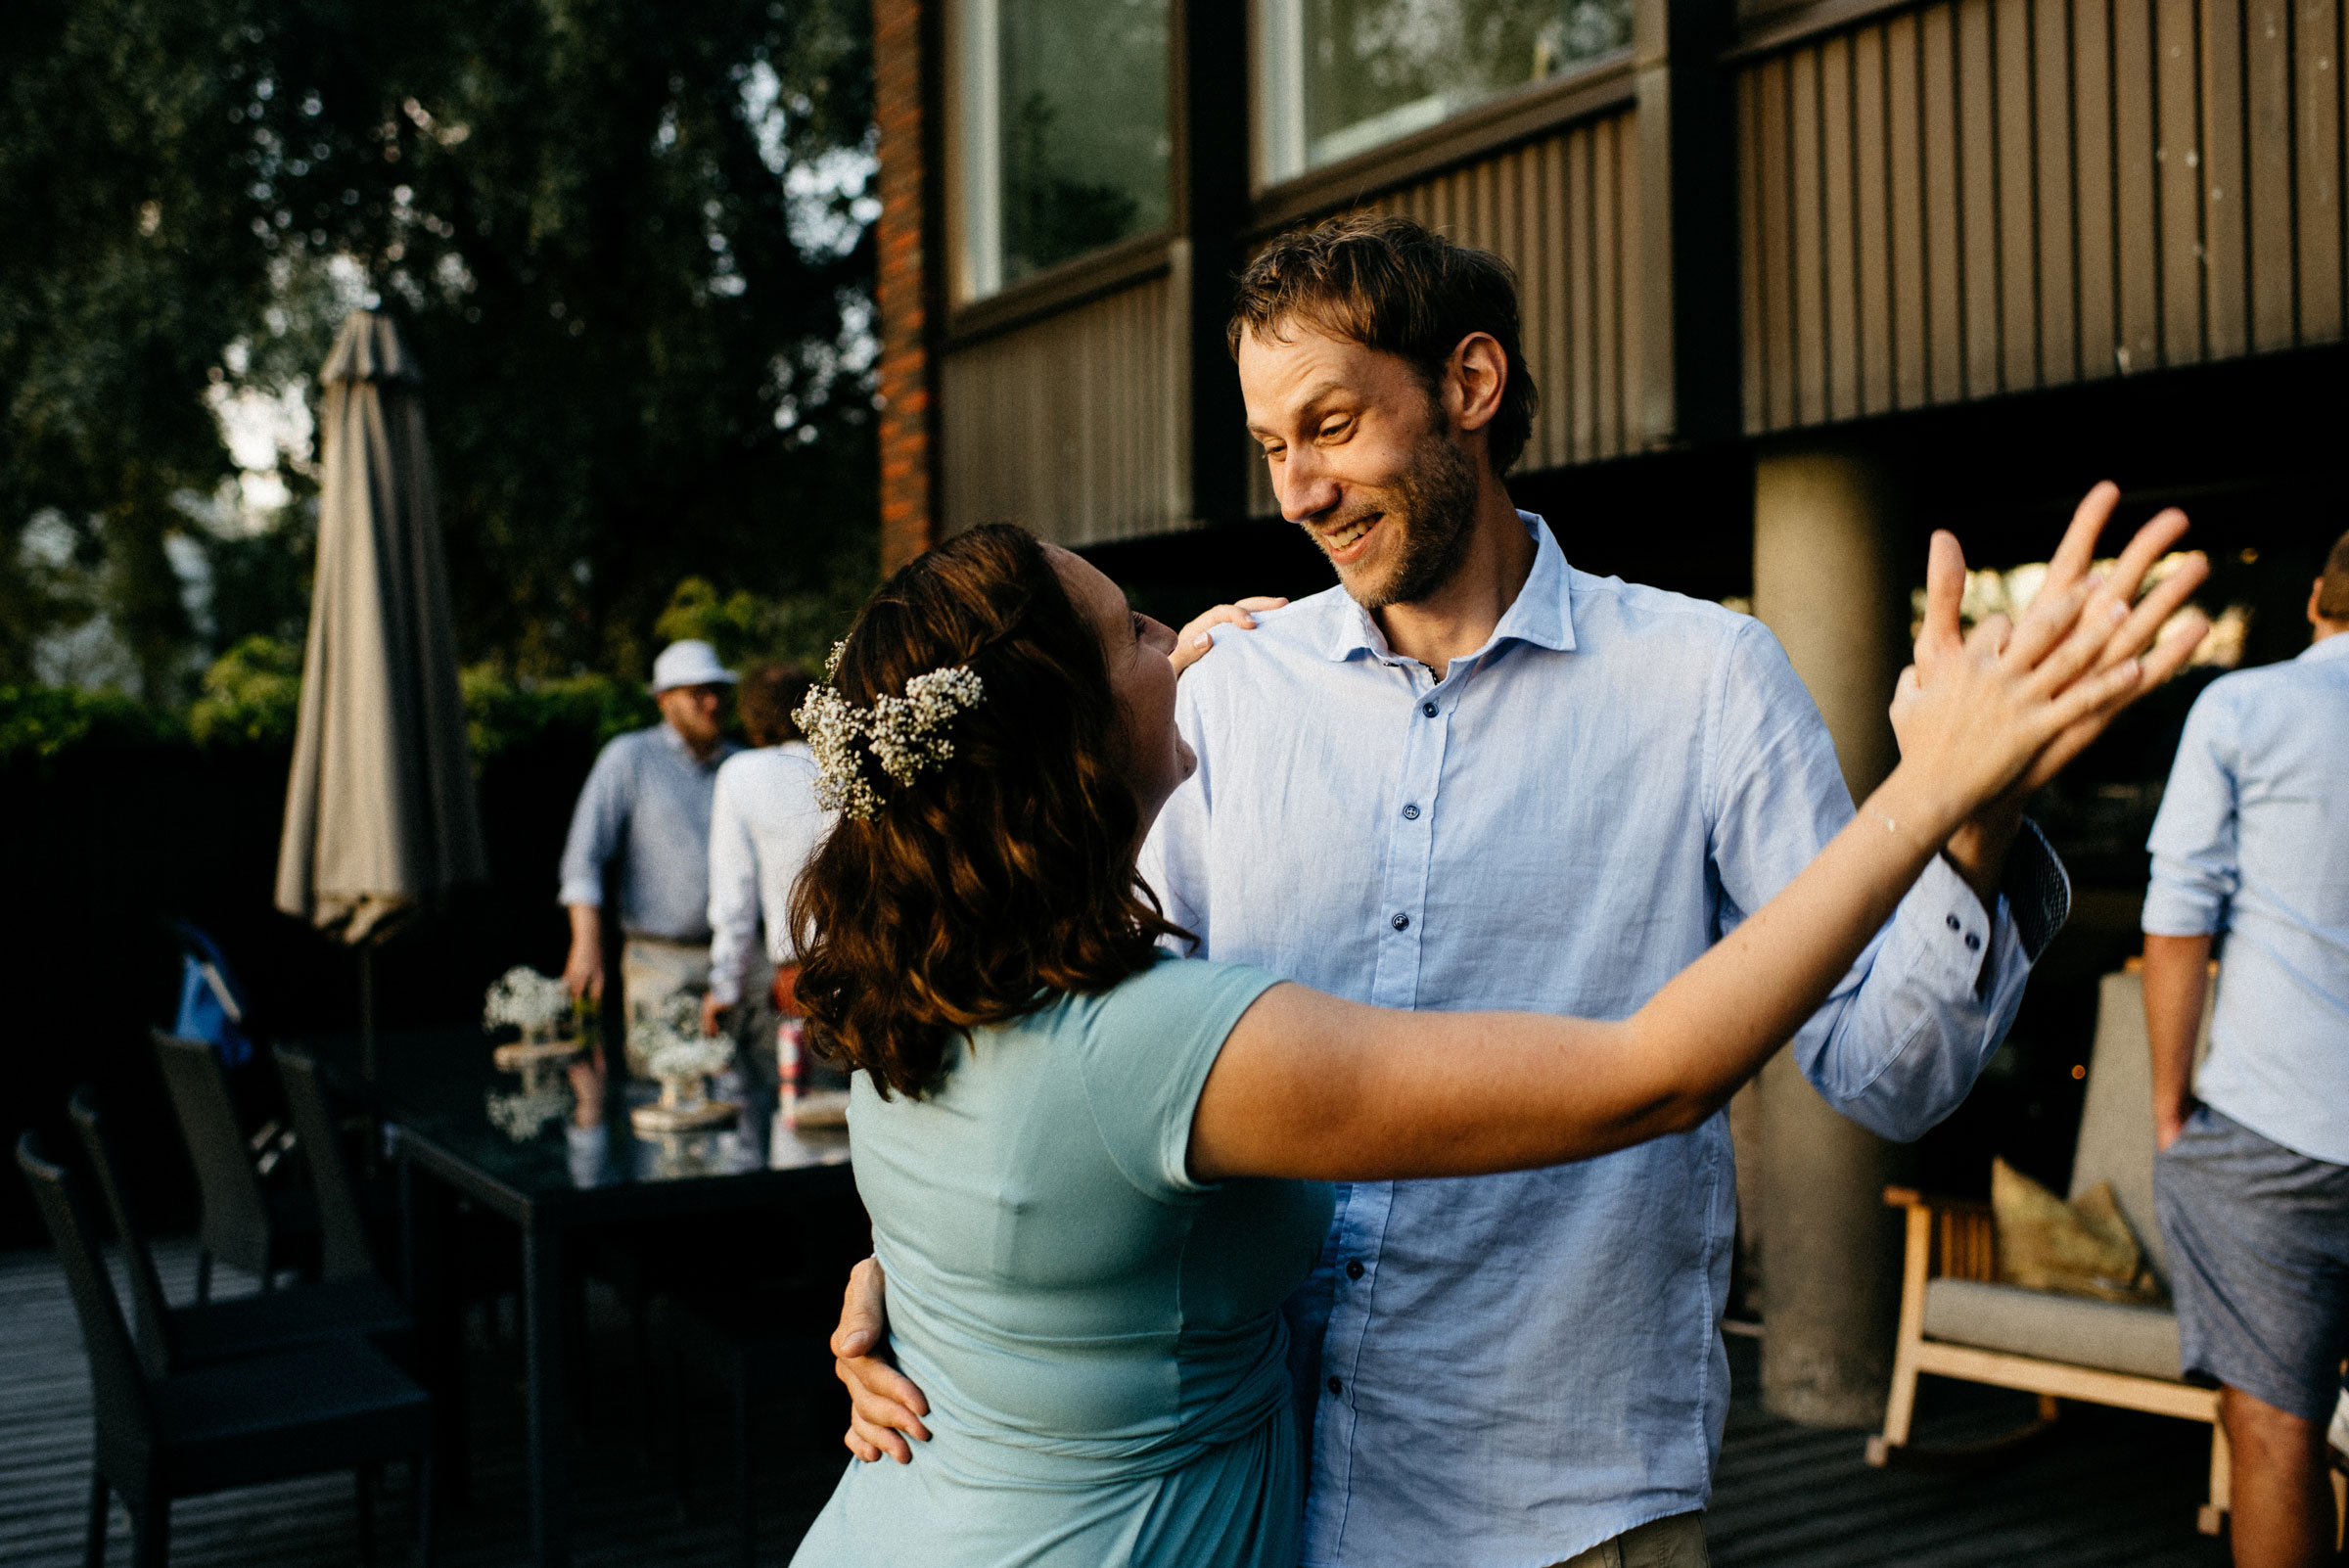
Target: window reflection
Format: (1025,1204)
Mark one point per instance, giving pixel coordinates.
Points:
(1063,129)
(1342,76)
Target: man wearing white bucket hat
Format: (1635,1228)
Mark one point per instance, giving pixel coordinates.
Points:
(646,806)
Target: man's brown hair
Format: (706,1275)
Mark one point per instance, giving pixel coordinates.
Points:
(1391,285)
(769,696)
(2332,599)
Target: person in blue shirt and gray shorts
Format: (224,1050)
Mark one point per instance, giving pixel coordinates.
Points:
(2251,847)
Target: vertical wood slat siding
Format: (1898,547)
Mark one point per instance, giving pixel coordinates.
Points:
(1979,195)
(1563,210)
(2317,95)
(1840,195)
(1907,282)
(1069,426)
(1982,196)
(2053,188)
(2137,242)
(1870,218)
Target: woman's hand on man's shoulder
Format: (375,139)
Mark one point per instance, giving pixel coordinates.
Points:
(1193,642)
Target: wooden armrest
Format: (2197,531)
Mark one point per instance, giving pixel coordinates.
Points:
(1911,1198)
(1951,1238)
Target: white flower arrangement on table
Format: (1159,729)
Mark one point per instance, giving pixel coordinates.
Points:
(904,734)
(524,1113)
(671,1045)
(523,999)
(667,1044)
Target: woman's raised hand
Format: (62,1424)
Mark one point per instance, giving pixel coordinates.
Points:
(2131,635)
(1998,711)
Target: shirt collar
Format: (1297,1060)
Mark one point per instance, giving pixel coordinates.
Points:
(1543,613)
(677,743)
(2336,646)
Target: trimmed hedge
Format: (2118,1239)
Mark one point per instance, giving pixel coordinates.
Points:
(252,696)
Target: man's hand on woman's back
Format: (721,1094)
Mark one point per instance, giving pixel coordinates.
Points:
(884,1407)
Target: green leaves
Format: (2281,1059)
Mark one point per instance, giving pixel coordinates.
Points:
(625,242)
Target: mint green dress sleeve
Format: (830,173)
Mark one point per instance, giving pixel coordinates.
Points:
(1146,1057)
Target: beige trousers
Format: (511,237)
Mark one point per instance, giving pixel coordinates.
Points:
(652,972)
(1678,1542)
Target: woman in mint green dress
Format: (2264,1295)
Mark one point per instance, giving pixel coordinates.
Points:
(1094,1169)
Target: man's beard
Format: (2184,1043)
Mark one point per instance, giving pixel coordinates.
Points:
(1434,508)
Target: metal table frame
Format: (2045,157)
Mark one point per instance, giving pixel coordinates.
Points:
(547,1223)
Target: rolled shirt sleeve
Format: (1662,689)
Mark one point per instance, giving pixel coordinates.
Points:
(597,823)
(1900,1042)
(2193,839)
(733,889)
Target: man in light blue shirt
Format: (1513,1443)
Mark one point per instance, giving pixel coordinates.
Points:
(1476,778)
(646,806)
(2252,1184)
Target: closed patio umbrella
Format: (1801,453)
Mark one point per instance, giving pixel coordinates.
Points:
(380,812)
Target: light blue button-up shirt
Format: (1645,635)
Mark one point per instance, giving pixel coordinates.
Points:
(1506,1371)
(647,802)
(2252,841)
(764,826)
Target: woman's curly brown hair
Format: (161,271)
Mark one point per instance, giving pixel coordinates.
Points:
(1001,878)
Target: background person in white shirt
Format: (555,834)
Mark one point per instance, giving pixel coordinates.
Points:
(2252,1182)
(1474,777)
(764,825)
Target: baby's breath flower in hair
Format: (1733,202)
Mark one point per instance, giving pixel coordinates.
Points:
(904,734)
(907,731)
(833,730)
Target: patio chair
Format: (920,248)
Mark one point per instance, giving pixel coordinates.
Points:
(177,1338)
(1957,1320)
(261,1229)
(338,1405)
(345,1250)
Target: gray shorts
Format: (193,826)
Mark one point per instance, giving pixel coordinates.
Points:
(2258,1237)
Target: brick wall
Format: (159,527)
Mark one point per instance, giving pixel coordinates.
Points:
(908,448)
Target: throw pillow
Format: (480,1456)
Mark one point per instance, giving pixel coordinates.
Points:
(2081,1248)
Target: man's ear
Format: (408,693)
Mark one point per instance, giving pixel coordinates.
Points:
(1474,381)
(2316,597)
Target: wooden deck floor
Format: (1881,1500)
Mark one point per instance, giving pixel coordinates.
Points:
(2104,1489)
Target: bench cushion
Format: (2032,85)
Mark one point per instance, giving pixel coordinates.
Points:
(2113,1336)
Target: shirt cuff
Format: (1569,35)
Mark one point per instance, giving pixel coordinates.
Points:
(2036,890)
(2174,911)
(591,894)
(1950,929)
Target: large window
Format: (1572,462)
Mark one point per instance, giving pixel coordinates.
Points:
(1342,76)
(1062,117)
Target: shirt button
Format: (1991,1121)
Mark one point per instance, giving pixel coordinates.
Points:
(1336,1387)
(1354,1269)
(1429,709)
(1403,922)
(1410,813)
(1973,944)
(1953,921)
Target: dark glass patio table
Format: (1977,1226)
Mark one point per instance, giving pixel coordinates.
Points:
(459,1125)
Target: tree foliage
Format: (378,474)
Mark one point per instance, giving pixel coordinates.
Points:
(625,240)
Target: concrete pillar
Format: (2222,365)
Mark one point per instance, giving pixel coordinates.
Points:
(1830,579)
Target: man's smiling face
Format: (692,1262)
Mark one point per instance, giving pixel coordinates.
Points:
(1362,457)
